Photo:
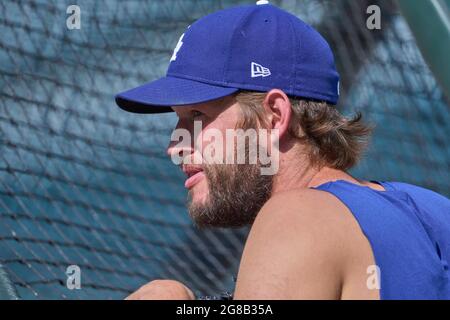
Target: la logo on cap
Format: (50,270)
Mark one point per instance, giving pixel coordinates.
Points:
(177,47)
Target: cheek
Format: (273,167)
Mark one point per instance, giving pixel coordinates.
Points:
(212,142)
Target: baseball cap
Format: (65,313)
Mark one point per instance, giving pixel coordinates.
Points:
(252,47)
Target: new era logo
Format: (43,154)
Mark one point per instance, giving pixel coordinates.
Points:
(259,71)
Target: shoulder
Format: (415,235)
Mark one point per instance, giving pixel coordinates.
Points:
(296,238)
(302,208)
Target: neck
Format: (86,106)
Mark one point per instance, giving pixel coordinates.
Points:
(297,172)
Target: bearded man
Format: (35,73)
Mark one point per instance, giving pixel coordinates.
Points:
(316,231)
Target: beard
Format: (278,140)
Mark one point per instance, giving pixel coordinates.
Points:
(236,194)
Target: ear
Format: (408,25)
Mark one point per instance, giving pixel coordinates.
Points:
(278,107)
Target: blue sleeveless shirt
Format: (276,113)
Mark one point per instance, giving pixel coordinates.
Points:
(408,228)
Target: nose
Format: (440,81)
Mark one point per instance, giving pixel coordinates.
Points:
(178,149)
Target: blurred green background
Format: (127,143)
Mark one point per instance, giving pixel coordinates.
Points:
(84,183)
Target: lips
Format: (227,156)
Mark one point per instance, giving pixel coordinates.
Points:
(194,174)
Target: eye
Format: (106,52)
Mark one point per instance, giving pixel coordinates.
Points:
(196,114)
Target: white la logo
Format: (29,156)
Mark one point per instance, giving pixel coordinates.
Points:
(178,47)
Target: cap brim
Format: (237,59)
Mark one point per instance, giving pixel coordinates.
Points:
(160,95)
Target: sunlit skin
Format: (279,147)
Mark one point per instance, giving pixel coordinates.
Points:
(220,115)
(304,243)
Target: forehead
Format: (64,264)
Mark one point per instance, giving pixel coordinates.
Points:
(212,107)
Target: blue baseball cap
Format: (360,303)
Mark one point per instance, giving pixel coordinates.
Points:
(253,47)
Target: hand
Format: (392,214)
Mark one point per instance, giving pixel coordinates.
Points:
(162,290)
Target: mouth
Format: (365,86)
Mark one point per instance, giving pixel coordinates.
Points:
(194,175)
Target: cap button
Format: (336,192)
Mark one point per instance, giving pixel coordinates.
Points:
(260,2)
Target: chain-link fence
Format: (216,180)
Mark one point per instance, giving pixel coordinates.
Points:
(84,183)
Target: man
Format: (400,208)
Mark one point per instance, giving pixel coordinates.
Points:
(317,232)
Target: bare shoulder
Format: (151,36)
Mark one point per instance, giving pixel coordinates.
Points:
(305,207)
(299,247)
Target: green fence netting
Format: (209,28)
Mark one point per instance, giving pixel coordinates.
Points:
(84,183)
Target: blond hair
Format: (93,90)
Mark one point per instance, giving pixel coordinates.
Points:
(331,139)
